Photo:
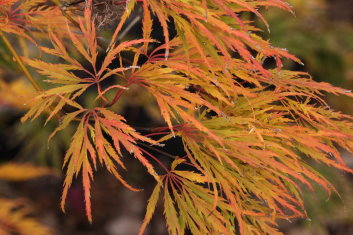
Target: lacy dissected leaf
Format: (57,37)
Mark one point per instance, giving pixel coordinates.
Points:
(151,206)
(89,143)
(211,27)
(69,85)
(17,16)
(90,146)
(169,90)
(181,89)
(189,205)
(267,143)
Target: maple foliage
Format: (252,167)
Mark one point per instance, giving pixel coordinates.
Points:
(17,16)
(248,131)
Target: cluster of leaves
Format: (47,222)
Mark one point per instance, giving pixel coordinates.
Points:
(323,43)
(248,131)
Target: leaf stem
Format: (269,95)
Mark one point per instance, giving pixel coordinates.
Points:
(156,159)
(20,62)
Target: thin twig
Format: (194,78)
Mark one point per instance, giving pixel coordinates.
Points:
(129,27)
(159,151)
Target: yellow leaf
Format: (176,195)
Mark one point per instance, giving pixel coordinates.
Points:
(176,162)
(151,206)
(192,176)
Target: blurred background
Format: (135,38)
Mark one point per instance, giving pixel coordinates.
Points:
(320,34)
